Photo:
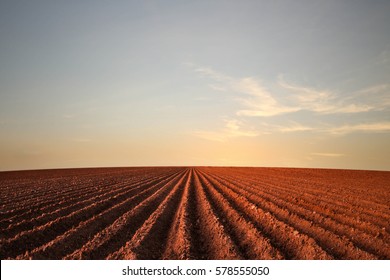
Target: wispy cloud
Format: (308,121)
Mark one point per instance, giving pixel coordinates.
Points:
(378,96)
(294,127)
(379,127)
(212,74)
(375,89)
(258,101)
(327,154)
(254,99)
(323,101)
(232,128)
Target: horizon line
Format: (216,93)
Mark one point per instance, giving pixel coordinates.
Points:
(188,166)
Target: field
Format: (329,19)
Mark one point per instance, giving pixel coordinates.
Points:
(195,213)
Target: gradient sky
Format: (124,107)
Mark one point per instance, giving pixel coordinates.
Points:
(252,83)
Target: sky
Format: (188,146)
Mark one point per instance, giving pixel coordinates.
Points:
(225,83)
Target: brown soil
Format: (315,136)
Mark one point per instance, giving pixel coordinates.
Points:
(195,213)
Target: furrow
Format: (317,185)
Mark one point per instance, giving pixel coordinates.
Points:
(334,205)
(113,237)
(195,213)
(178,246)
(149,240)
(286,238)
(112,191)
(350,217)
(252,243)
(214,240)
(198,247)
(76,237)
(337,246)
(37,209)
(34,194)
(321,193)
(28,240)
(66,188)
(40,204)
(373,244)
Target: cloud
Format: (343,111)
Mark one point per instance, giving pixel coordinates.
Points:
(254,99)
(212,74)
(327,154)
(294,127)
(232,128)
(217,87)
(258,101)
(379,127)
(375,89)
(378,96)
(323,101)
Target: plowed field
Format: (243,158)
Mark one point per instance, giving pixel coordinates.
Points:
(195,213)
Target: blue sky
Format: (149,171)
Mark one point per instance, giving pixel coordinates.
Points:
(258,83)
